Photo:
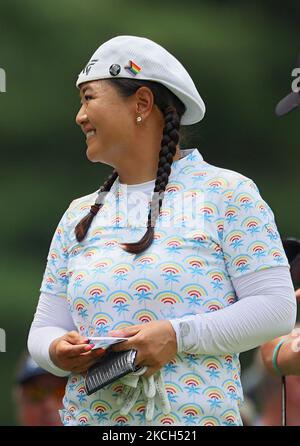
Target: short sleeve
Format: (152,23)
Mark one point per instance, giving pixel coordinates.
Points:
(55,278)
(250,239)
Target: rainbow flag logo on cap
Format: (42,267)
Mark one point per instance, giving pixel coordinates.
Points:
(133,68)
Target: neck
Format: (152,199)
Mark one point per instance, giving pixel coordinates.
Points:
(140,166)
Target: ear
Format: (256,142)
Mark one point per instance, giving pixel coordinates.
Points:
(144,101)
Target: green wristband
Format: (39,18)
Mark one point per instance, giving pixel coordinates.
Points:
(274,358)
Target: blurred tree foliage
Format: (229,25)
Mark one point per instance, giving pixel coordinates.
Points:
(240,55)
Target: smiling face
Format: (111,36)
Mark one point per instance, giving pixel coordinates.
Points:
(107,119)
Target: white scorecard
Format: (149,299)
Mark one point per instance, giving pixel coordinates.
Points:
(105,341)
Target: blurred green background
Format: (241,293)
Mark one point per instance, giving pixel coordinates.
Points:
(240,55)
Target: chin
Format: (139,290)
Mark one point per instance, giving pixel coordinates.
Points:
(91,158)
(92,155)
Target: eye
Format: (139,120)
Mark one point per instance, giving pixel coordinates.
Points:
(87,97)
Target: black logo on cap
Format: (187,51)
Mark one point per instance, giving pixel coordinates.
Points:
(87,68)
(114,69)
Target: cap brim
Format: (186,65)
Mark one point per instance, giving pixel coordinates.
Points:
(287,104)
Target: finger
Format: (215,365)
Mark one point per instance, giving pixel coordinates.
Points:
(83,364)
(97,353)
(125,332)
(140,360)
(73,351)
(122,346)
(75,338)
(86,360)
(86,365)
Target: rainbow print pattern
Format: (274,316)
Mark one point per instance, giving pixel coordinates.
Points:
(236,239)
(167,420)
(217,185)
(102,266)
(101,410)
(143,316)
(252,225)
(230,417)
(147,262)
(173,391)
(209,421)
(186,271)
(121,420)
(191,413)
(213,367)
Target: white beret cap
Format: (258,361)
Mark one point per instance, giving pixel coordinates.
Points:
(140,58)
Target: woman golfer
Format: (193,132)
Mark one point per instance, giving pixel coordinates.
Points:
(181,257)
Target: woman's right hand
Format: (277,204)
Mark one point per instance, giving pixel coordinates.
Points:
(73,353)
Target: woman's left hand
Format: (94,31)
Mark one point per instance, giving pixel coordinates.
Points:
(155,343)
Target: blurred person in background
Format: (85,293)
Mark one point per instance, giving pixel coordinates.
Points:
(37,394)
(281,356)
(264,391)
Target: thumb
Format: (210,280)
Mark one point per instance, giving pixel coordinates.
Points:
(125,332)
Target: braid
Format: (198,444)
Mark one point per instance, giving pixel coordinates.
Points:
(82,227)
(166,155)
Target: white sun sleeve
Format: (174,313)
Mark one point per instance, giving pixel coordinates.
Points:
(51,321)
(266,309)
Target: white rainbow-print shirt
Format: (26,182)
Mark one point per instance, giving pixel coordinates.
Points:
(186,270)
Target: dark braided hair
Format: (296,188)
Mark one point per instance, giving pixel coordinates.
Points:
(172,108)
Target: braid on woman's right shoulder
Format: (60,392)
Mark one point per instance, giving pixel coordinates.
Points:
(82,227)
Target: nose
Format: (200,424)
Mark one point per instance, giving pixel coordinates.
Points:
(81,116)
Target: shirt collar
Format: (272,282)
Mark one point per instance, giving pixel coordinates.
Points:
(195,154)
(188,156)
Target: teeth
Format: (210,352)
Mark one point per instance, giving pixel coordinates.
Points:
(90,133)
